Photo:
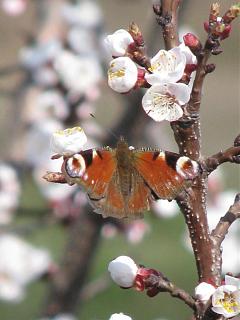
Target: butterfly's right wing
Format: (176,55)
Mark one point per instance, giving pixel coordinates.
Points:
(166,173)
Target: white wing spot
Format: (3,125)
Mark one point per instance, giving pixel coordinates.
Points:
(85,176)
(94,153)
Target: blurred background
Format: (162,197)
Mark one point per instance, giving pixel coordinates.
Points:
(53,68)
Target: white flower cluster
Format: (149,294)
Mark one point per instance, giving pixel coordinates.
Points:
(225,298)
(66,71)
(20,264)
(164,98)
(13,7)
(9,193)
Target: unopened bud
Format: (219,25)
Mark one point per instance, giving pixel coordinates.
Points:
(210,67)
(214,12)
(216,51)
(206,26)
(123,271)
(226,32)
(136,34)
(193,43)
(232,13)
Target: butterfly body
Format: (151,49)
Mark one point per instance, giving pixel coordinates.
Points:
(122,182)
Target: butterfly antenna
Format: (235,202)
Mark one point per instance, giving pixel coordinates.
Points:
(106,129)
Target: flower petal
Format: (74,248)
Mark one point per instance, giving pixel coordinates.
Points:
(118,42)
(122,74)
(204,291)
(175,112)
(181,91)
(69,141)
(232,281)
(157,112)
(166,66)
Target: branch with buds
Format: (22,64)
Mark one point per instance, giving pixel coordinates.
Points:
(127,274)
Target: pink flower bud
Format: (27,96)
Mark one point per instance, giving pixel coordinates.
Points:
(192,42)
(206,26)
(226,32)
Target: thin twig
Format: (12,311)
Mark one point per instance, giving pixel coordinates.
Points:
(231,154)
(162,284)
(219,233)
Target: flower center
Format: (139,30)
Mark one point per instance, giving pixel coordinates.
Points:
(166,62)
(229,303)
(163,100)
(116,74)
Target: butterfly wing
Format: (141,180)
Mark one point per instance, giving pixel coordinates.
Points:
(93,169)
(166,173)
(116,204)
(96,170)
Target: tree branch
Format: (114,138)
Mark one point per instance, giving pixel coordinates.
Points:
(167,18)
(162,284)
(219,233)
(187,134)
(231,154)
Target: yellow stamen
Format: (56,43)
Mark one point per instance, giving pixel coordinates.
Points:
(229,303)
(116,74)
(69,131)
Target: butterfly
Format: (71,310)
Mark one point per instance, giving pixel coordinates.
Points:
(122,182)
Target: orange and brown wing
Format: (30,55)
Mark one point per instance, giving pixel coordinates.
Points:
(115,204)
(93,169)
(166,173)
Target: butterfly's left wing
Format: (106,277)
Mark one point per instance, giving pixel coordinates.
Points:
(166,173)
(93,169)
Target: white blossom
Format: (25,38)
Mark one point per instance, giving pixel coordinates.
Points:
(136,231)
(122,74)
(81,40)
(45,76)
(119,316)
(49,103)
(166,66)
(85,14)
(217,206)
(118,42)
(10,290)
(163,101)
(226,300)
(77,73)
(38,138)
(53,192)
(69,141)
(123,271)
(14,7)
(20,264)
(190,57)
(203,291)
(61,316)
(165,209)
(40,54)
(233,281)
(9,192)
